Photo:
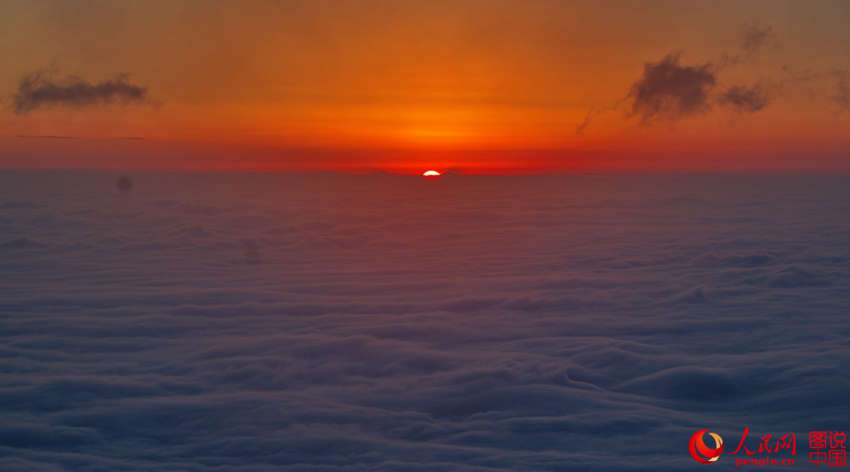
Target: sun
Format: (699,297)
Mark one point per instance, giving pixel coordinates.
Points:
(430,173)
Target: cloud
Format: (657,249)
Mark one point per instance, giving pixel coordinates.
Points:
(37,90)
(842,89)
(58,136)
(383,334)
(44,136)
(586,122)
(745,99)
(593,113)
(753,40)
(669,90)
(755,37)
(672,91)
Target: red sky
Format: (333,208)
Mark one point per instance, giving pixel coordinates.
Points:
(471,86)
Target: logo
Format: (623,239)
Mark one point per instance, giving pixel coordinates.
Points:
(828,447)
(700,450)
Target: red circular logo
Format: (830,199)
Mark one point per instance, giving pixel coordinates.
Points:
(700,451)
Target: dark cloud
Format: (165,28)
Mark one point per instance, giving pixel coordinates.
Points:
(39,90)
(594,112)
(755,38)
(670,90)
(745,99)
(585,123)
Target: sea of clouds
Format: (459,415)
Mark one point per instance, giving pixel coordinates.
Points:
(320,322)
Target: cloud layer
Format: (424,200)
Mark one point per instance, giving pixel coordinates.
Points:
(340,323)
(38,90)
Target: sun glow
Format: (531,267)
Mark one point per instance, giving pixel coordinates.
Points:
(430,173)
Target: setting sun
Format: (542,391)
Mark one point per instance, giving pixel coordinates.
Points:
(431,173)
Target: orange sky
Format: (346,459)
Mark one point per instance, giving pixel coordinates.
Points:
(475,86)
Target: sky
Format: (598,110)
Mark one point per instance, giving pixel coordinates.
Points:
(397,86)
